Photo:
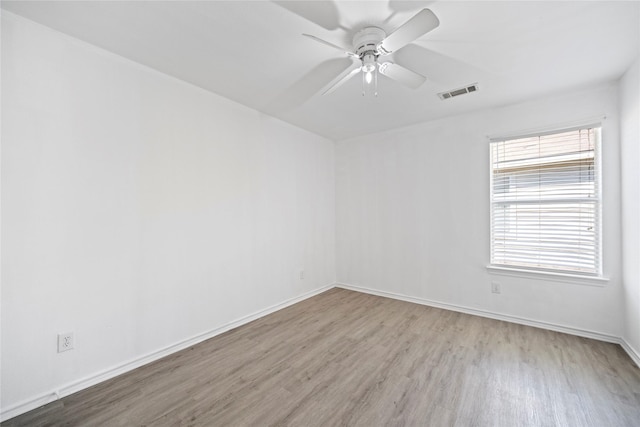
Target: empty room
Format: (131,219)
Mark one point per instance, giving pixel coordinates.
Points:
(320,213)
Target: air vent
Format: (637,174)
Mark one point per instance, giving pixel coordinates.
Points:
(457,92)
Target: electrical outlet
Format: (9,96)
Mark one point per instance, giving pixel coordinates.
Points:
(301,274)
(65,342)
(495,287)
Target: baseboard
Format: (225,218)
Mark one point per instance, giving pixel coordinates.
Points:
(75,386)
(632,352)
(488,314)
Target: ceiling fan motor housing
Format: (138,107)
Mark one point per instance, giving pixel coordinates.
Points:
(366,41)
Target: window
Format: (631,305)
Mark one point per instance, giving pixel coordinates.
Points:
(545,202)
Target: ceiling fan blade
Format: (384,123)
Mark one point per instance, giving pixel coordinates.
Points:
(319,40)
(400,74)
(342,80)
(421,23)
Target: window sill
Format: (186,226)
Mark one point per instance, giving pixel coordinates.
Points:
(549,276)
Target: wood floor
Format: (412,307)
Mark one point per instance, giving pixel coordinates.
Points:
(346,358)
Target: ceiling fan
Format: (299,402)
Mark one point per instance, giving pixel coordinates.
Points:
(372,43)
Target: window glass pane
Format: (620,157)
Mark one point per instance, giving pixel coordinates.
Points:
(545,202)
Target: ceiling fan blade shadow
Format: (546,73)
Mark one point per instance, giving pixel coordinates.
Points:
(400,6)
(308,85)
(440,69)
(341,49)
(322,13)
(342,79)
(420,24)
(402,75)
(468,52)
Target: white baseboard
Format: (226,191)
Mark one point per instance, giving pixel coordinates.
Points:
(489,314)
(75,386)
(633,353)
(485,313)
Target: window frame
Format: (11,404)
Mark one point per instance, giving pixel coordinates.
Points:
(561,275)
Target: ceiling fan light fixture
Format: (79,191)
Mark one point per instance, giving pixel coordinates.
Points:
(369,71)
(369,62)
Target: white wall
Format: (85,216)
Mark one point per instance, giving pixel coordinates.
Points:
(139,211)
(413,214)
(629,90)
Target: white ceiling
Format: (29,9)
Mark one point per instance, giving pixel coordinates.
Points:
(253,52)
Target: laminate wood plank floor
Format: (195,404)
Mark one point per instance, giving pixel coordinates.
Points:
(347,358)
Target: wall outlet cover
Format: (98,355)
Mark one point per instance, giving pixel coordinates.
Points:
(65,342)
(495,287)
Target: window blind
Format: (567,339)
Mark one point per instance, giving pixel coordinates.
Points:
(545,202)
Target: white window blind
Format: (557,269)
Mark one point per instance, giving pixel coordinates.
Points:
(545,202)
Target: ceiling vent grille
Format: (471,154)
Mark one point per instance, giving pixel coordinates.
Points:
(457,92)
